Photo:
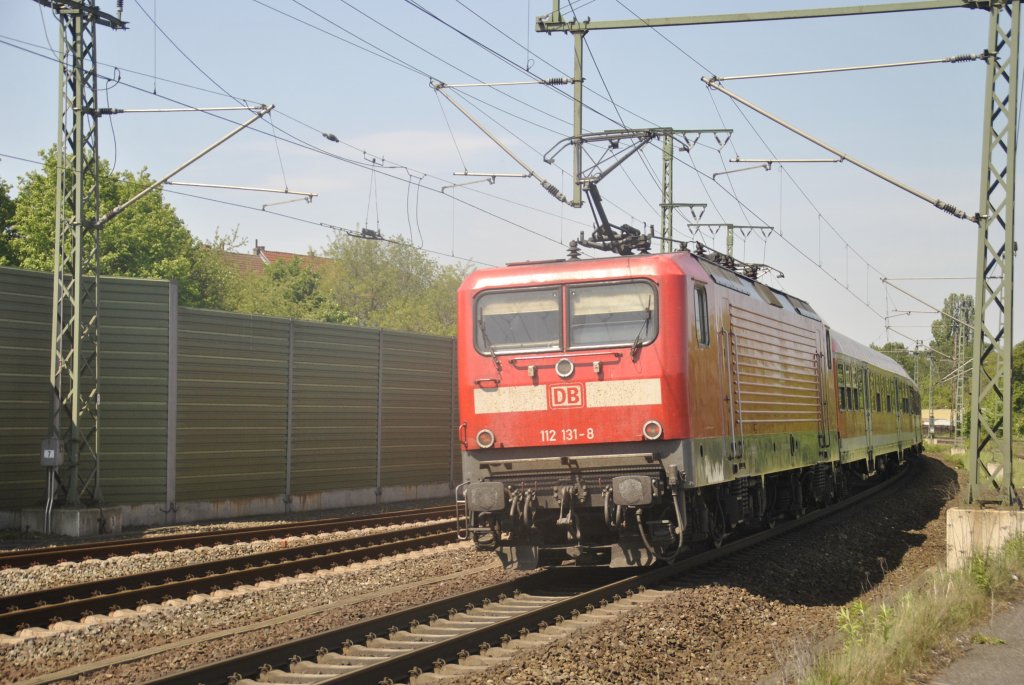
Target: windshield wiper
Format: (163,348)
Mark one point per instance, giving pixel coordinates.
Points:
(634,351)
(489,344)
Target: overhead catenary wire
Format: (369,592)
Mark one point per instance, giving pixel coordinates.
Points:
(291,139)
(184,54)
(281,113)
(620,116)
(306,145)
(782,168)
(347,231)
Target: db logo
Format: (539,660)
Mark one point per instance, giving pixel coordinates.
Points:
(567,395)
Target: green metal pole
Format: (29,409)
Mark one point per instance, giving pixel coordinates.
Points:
(991,370)
(75,339)
(577,119)
(667,208)
(556,23)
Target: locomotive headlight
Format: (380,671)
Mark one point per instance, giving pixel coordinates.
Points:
(652,430)
(485,439)
(564,367)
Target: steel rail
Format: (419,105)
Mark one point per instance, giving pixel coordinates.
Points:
(452,650)
(71,602)
(24,558)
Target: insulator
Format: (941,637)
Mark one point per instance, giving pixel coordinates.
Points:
(560,81)
(962,58)
(950,209)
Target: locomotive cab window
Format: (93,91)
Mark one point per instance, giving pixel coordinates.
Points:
(700,315)
(610,314)
(518,320)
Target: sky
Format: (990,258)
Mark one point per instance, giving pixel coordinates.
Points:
(361,72)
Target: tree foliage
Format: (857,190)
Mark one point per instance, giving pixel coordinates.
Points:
(954,324)
(6,224)
(901,354)
(147,240)
(1018,388)
(948,353)
(391,284)
(385,284)
(286,288)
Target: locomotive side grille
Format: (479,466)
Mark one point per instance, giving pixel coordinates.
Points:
(775,374)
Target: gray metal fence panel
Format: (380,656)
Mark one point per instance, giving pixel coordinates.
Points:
(133,364)
(335,407)
(24,384)
(232,402)
(416,439)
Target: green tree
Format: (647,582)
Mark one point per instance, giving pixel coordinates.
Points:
(1018,388)
(6,224)
(286,288)
(147,240)
(957,315)
(392,284)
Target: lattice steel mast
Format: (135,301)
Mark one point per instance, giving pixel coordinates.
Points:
(75,334)
(991,372)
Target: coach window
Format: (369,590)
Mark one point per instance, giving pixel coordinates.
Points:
(518,320)
(841,369)
(828,347)
(700,312)
(609,314)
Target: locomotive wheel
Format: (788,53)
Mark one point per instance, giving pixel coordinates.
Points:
(717,533)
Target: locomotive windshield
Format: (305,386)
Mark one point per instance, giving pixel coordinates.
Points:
(599,315)
(612,314)
(519,320)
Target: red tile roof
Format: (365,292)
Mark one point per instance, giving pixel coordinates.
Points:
(243,263)
(261,257)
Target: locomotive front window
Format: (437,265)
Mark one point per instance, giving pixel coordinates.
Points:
(612,314)
(516,320)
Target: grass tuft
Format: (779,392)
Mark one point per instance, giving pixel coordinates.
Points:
(884,643)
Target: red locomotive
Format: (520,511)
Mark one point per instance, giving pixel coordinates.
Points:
(616,411)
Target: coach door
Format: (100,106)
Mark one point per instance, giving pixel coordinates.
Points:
(827,415)
(869,398)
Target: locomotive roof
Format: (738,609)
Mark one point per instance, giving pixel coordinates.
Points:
(552,271)
(653,265)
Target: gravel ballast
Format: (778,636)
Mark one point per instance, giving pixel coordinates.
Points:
(761,613)
(755,616)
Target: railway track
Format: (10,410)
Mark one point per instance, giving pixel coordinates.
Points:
(75,602)
(105,549)
(472,631)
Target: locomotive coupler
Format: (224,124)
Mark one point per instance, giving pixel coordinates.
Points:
(613,512)
(529,508)
(566,505)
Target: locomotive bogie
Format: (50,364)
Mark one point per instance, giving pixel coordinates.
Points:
(620,411)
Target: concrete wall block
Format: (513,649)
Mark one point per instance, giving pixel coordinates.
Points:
(978,531)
